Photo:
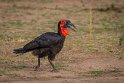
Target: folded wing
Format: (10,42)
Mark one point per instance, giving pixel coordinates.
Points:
(44,41)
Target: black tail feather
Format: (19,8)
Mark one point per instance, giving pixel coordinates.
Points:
(19,51)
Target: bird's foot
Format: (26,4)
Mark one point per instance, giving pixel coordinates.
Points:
(36,68)
(55,70)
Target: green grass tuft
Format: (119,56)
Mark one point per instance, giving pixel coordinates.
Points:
(121,39)
(7,36)
(97,73)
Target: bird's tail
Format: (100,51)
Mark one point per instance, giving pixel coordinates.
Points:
(19,51)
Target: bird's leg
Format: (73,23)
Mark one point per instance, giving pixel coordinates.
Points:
(38,65)
(54,69)
(51,63)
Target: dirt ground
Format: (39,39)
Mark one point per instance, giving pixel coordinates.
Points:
(70,73)
(86,57)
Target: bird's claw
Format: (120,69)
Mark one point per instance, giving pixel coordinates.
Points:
(55,70)
(36,68)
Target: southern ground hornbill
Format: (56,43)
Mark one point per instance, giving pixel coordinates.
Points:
(48,44)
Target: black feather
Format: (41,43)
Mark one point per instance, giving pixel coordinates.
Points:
(19,51)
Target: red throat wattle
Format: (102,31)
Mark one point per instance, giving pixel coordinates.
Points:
(64,30)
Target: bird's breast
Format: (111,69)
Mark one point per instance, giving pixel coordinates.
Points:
(56,48)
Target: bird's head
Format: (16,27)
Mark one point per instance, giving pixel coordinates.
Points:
(63,26)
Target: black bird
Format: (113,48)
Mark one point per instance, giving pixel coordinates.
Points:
(48,44)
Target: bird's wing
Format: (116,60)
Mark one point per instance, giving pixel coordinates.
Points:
(44,41)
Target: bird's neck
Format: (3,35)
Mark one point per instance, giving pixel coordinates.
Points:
(63,32)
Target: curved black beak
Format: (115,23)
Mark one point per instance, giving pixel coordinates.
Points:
(72,26)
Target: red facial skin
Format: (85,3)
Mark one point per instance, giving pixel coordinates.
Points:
(63,29)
